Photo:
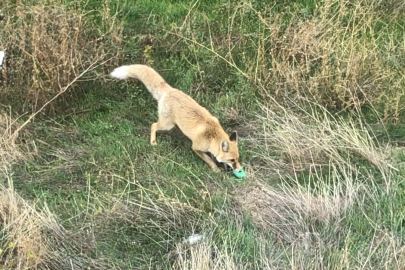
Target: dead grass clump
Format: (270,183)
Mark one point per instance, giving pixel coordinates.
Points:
(336,58)
(9,150)
(23,244)
(384,251)
(204,255)
(49,45)
(291,210)
(316,138)
(32,239)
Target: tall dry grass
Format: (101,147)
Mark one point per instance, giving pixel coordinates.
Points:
(10,150)
(34,239)
(23,244)
(345,55)
(205,255)
(338,58)
(49,45)
(314,137)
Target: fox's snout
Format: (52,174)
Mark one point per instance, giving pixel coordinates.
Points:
(237,167)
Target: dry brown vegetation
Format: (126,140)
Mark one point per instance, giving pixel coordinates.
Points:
(10,151)
(35,239)
(24,245)
(345,56)
(204,255)
(50,45)
(290,211)
(316,139)
(336,59)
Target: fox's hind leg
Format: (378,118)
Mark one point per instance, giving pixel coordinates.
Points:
(161,124)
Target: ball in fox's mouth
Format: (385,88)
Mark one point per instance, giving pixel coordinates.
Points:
(240,173)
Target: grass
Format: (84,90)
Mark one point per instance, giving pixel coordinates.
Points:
(314,89)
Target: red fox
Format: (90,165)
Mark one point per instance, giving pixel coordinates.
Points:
(177,108)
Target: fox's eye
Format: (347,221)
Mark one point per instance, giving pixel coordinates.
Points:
(232,160)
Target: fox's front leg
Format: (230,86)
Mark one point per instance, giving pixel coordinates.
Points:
(207,159)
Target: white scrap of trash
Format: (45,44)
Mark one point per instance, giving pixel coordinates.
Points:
(192,239)
(2,54)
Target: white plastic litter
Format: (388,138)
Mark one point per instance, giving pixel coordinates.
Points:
(192,239)
(2,54)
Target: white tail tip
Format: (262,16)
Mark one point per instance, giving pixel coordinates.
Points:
(120,72)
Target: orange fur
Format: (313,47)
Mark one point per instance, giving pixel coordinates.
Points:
(177,108)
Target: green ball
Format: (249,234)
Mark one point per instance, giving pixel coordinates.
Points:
(239,174)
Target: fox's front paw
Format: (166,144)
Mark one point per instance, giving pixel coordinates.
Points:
(216,169)
(153,143)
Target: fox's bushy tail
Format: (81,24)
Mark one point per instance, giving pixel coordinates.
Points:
(155,84)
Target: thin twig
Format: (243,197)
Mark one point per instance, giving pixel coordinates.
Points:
(91,67)
(214,52)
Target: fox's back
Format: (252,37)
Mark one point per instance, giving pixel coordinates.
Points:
(186,113)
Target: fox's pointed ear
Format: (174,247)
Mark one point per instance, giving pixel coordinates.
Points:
(225,146)
(233,137)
